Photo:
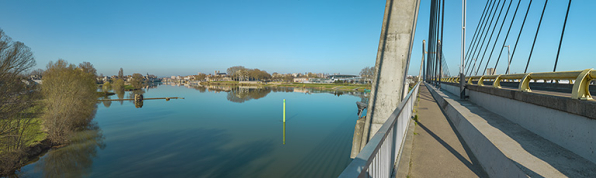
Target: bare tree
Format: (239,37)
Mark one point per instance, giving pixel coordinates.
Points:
(106,87)
(367,73)
(200,77)
(66,87)
(88,67)
(37,72)
(235,72)
(16,93)
(288,78)
(121,73)
(137,80)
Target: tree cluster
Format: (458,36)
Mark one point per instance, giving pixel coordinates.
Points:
(200,77)
(241,73)
(70,96)
(137,81)
(367,73)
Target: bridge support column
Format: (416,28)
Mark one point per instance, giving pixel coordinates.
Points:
(393,58)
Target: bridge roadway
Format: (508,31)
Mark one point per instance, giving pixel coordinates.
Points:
(439,150)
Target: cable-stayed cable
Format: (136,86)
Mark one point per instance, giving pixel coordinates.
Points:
(471,69)
(491,37)
(480,21)
(498,35)
(536,36)
(483,36)
(562,33)
(474,47)
(520,30)
(507,36)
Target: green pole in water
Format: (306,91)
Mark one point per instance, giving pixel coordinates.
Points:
(284,133)
(284,121)
(284,110)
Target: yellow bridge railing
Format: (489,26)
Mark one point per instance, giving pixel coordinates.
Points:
(580,80)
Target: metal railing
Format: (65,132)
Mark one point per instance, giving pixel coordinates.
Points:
(580,80)
(379,158)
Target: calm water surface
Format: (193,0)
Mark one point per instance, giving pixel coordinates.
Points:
(238,133)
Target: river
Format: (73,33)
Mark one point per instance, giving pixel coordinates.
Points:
(213,132)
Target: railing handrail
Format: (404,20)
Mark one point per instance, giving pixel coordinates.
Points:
(580,90)
(363,160)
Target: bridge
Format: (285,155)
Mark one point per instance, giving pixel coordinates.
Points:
(478,123)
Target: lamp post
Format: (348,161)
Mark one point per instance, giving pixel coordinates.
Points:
(508,58)
(462,78)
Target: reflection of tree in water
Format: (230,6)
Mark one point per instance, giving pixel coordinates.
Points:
(120,93)
(242,94)
(201,89)
(338,93)
(107,104)
(75,159)
(282,89)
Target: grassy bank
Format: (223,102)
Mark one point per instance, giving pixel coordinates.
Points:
(31,139)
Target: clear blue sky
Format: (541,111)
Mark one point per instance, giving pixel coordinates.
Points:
(185,37)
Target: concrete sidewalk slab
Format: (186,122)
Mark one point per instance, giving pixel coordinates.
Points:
(438,150)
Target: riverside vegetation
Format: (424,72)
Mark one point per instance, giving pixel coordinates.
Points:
(35,117)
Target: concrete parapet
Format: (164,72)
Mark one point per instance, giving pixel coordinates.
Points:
(506,149)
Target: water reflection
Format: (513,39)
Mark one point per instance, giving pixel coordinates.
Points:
(120,93)
(240,94)
(75,159)
(107,103)
(284,133)
(243,93)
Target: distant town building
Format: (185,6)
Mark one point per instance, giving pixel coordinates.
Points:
(490,71)
(341,77)
(320,80)
(301,80)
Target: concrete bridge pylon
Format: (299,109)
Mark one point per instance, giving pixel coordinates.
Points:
(391,67)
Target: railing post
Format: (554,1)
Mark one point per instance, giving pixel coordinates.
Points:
(524,84)
(581,88)
(497,83)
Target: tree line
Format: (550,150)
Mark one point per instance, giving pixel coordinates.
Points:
(241,73)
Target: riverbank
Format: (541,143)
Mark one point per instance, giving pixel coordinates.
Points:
(322,86)
(36,144)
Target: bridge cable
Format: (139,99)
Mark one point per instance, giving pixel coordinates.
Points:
(475,46)
(491,36)
(429,65)
(537,30)
(480,21)
(506,36)
(484,29)
(483,40)
(489,39)
(497,39)
(520,30)
(436,39)
(562,33)
(475,39)
(441,42)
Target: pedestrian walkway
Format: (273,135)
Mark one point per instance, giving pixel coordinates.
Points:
(437,148)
